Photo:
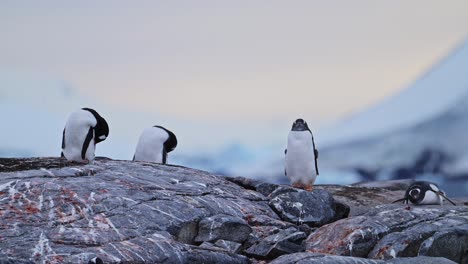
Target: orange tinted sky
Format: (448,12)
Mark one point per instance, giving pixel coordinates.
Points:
(231,60)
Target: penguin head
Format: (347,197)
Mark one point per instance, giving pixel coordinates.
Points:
(101,130)
(414,194)
(300,125)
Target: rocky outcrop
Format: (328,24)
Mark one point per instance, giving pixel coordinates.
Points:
(311,258)
(53,211)
(392,231)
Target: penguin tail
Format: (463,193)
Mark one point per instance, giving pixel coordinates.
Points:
(445,197)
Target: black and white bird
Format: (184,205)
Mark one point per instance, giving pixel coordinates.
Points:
(96,260)
(424,193)
(301,156)
(154,145)
(84,129)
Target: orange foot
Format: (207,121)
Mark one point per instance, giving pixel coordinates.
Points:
(298,185)
(309,187)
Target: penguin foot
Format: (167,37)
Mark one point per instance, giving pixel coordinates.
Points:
(307,187)
(298,186)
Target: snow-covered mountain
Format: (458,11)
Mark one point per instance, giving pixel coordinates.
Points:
(418,133)
(436,91)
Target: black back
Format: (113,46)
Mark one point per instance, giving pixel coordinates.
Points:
(171,142)
(101,128)
(169,145)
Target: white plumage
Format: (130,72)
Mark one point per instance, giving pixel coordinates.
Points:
(432,196)
(300,158)
(76,130)
(150,146)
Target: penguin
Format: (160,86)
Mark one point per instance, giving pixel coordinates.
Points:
(301,156)
(84,129)
(96,260)
(424,193)
(154,145)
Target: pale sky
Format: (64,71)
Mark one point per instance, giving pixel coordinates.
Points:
(229,60)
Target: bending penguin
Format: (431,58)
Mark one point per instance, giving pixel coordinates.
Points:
(424,193)
(154,145)
(84,129)
(301,156)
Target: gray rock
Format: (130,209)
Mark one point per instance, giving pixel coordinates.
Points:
(284,242)
(393,185)
(306,258)
(208,245)
(420,260)
(259,186)
(315,208)
(392,231)
(230,246)
(54,211)
(119,211)
(223,227)
(312,258)
(201,256)
(362,199)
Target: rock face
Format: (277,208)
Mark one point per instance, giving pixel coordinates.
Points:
(312,208)
(392,231)
(310,258)
(221,227)
(54,211)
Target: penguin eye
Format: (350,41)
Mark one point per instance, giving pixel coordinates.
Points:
(414,193)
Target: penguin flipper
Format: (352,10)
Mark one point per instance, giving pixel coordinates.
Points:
(164,155)
(63,139)
(445,197)
(400,200)
(86,143)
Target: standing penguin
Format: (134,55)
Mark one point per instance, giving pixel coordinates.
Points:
(301,156)
(424,193)
(83,130)
(154,145)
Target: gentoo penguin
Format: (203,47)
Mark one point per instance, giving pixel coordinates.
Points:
(83,130)
(96,260)
(423,192)
(154,145)
(301,156)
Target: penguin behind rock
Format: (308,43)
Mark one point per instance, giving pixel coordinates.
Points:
(154,145)
(424,193)
(83,130)
(301,156)
(96,260)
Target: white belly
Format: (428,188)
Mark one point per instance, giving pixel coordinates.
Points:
(432,198)
(300,158)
